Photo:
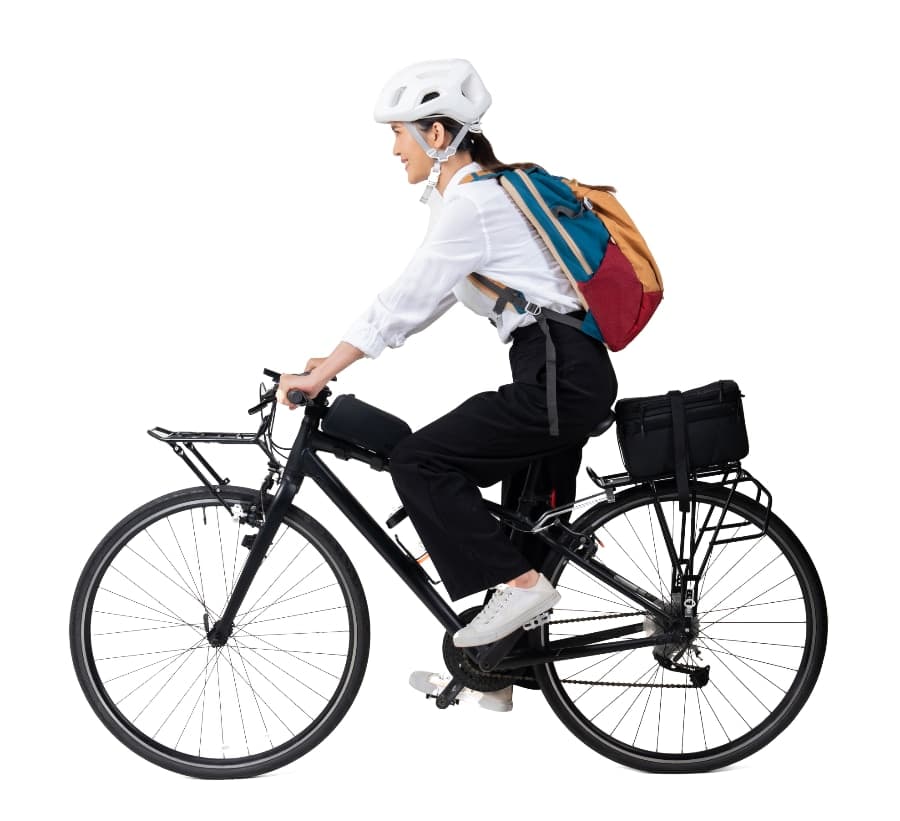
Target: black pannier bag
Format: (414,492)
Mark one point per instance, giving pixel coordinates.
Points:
(681,432)
(359,423)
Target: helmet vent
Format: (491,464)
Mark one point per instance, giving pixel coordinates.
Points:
(397,95)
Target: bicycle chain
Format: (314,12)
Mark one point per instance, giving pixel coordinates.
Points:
(528,677)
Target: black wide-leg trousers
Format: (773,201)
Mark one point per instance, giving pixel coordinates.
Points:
(493,436)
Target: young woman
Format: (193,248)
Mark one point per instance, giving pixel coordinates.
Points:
(434,110)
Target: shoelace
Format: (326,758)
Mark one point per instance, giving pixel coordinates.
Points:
(494,606)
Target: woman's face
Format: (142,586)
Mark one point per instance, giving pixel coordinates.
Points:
(416,162)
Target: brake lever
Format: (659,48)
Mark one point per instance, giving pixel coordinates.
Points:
(265,399)
(277,376)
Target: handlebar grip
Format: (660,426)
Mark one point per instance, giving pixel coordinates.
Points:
(297,396)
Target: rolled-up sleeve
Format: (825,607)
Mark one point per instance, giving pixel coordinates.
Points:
(455,247)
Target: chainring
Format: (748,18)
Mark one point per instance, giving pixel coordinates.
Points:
(460,666)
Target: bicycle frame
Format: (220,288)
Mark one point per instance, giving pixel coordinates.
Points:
(304,462)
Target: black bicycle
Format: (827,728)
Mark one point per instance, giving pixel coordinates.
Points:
(222,632)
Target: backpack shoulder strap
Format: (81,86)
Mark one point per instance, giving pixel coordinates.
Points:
(479,175)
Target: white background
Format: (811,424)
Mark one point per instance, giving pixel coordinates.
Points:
(192,191)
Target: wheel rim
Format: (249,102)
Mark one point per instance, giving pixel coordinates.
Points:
(756,632)
(267,690)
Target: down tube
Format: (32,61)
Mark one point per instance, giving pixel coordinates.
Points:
(405,567)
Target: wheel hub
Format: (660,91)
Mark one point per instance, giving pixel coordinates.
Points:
(217,636)
(676,622)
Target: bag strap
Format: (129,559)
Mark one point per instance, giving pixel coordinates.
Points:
(520,303)
(541,315)
(679,433)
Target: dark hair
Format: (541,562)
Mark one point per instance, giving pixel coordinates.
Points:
(477,145)
(480,148)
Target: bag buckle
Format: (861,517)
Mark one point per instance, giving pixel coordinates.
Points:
(533,309)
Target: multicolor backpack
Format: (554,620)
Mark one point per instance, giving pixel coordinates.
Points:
(597,247)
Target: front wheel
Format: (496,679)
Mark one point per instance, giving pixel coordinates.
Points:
(282,682)
(760,625)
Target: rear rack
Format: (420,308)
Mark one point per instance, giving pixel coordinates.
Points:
(732,474)
(740,476)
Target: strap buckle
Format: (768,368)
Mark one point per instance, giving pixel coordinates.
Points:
(533,309)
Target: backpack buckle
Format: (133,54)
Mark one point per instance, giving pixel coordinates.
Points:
(533,309)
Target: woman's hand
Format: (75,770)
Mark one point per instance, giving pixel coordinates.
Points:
(310,384)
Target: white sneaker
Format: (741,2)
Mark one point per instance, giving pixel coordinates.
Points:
(432,683)
(509,609)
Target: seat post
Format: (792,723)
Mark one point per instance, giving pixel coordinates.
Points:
(526,497)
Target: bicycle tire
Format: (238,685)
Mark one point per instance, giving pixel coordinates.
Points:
(95,629)
(610,519)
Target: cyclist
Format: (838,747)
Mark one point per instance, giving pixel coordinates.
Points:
(434,110)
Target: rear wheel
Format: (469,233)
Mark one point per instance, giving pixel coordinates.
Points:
(282,682)
(760,625)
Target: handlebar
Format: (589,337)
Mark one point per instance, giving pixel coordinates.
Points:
(294,395)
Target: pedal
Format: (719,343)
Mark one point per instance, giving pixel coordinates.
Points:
(537,621)
(448,695)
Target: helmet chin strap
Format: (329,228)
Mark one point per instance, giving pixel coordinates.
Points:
(439,157)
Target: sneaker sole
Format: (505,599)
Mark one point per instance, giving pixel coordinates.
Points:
(465,696)
(529,615)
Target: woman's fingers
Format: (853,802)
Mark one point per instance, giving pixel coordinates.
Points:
(308,384)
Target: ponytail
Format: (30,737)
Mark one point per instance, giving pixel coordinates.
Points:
(481,150)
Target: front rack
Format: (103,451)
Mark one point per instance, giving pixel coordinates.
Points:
(175,440)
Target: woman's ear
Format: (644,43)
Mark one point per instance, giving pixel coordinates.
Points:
(438,132)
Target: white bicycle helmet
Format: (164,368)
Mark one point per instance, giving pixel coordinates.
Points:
(459,94)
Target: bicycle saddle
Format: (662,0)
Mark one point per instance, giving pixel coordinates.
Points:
(605,425)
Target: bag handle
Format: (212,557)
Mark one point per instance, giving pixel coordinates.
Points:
(679,433)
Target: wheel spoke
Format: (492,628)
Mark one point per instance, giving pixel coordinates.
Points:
(279,599)
(730,569)
(186,657)
(283,601)
(757,603)
(620,598)
(169,610)
(184,559)
(749,601)
(252,607)
(293,655)
(628,556)
(182,583)
(237,696)
(197,553)
(178,703)
(256,699)
(723,651)
(269,680)
(251,703)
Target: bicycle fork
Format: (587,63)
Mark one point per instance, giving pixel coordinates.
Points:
(287,489)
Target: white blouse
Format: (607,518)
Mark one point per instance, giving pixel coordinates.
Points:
(473,227)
